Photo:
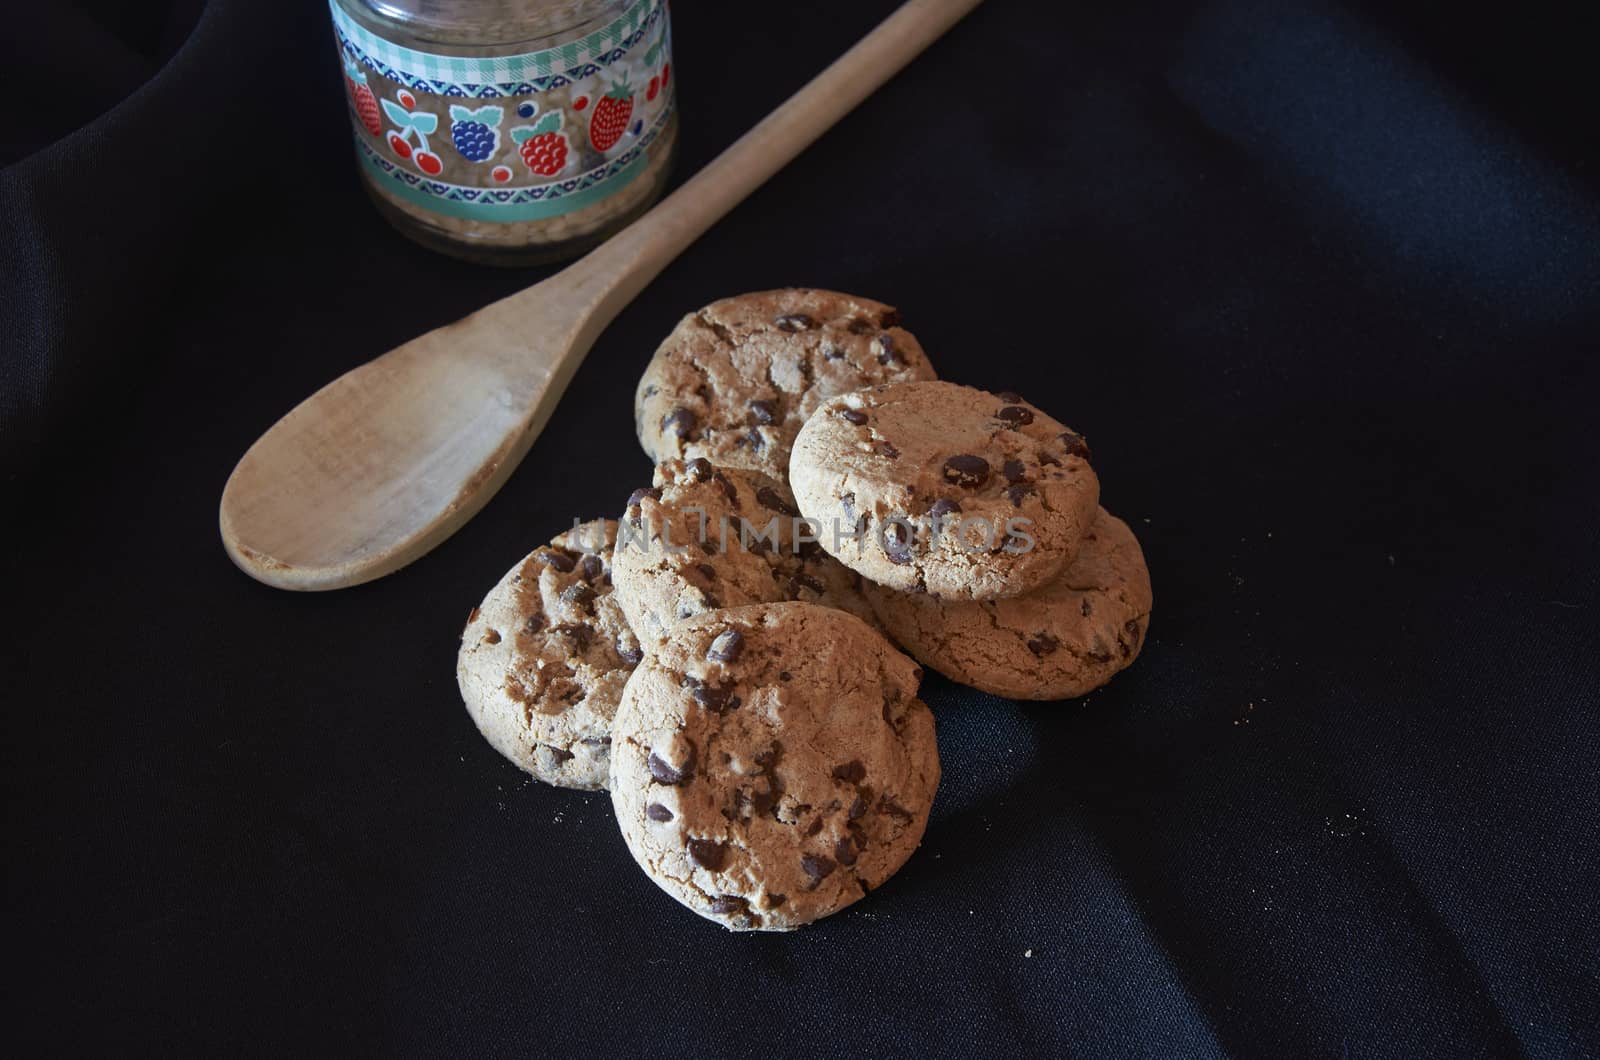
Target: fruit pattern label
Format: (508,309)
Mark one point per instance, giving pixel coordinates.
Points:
(510,137)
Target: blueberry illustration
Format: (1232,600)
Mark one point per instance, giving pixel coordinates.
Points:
(638,126)
(526,109)
(474,140)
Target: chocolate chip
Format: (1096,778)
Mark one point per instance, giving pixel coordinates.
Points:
(591,567)
(770,499)
(680,423)
(1042,644)
(852,772)
(1015,416)
(889,318)
(857,809)
(858,834)
(966,470)
(665,773)
(847,504)
(1084,607)
(581,634)
(1014,494)
(887,448)
(534,624)
(1122,646)
(943,507)
(559,754)
(893,809)
(637,497)
(783,675)
(1046,458)
(698,469)
(708,854)
(558,561)
(831,352)
(578,594)
(651,391)
(855,416)
(1100,656)
(727,646)
(492,637)
(762,802)
(804,581)
(1076,446)
(657,812)
(816,826)
(763,411)
(845,851)
(772,901)
(632,655)
(1010,397)
(793,322)
(718,699)
(596,741)
(887,354)
(728,904)
(728,487)
(752,438)
(1014,470)
(861,327)
(818,868)
(896,541)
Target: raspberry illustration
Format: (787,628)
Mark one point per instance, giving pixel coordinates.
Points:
(543,144)
(476,132)
(361,97)
(611,114)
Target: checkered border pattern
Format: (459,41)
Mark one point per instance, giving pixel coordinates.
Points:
(470,74)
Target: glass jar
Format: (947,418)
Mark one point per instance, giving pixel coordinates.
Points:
(509,131)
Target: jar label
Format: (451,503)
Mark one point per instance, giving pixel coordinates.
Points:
(510,137)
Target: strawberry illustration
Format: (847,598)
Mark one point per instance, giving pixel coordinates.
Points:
(611,114)
(361,97)
(543,145)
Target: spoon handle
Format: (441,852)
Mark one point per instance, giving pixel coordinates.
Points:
(615,272)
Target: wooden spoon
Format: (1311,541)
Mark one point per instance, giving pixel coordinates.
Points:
(388,460)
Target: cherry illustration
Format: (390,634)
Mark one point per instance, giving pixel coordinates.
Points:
(407,100)
(501,174)
(429,163)
(580,103)
(399,145)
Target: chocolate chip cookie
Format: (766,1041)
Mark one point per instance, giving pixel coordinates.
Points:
(1063,639)
(545,657)
(704,537)
(734,381)
(940,488)
(772,764)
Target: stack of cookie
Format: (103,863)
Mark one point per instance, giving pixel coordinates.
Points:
(716,657)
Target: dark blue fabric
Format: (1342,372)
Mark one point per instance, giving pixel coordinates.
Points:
(1319,281)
